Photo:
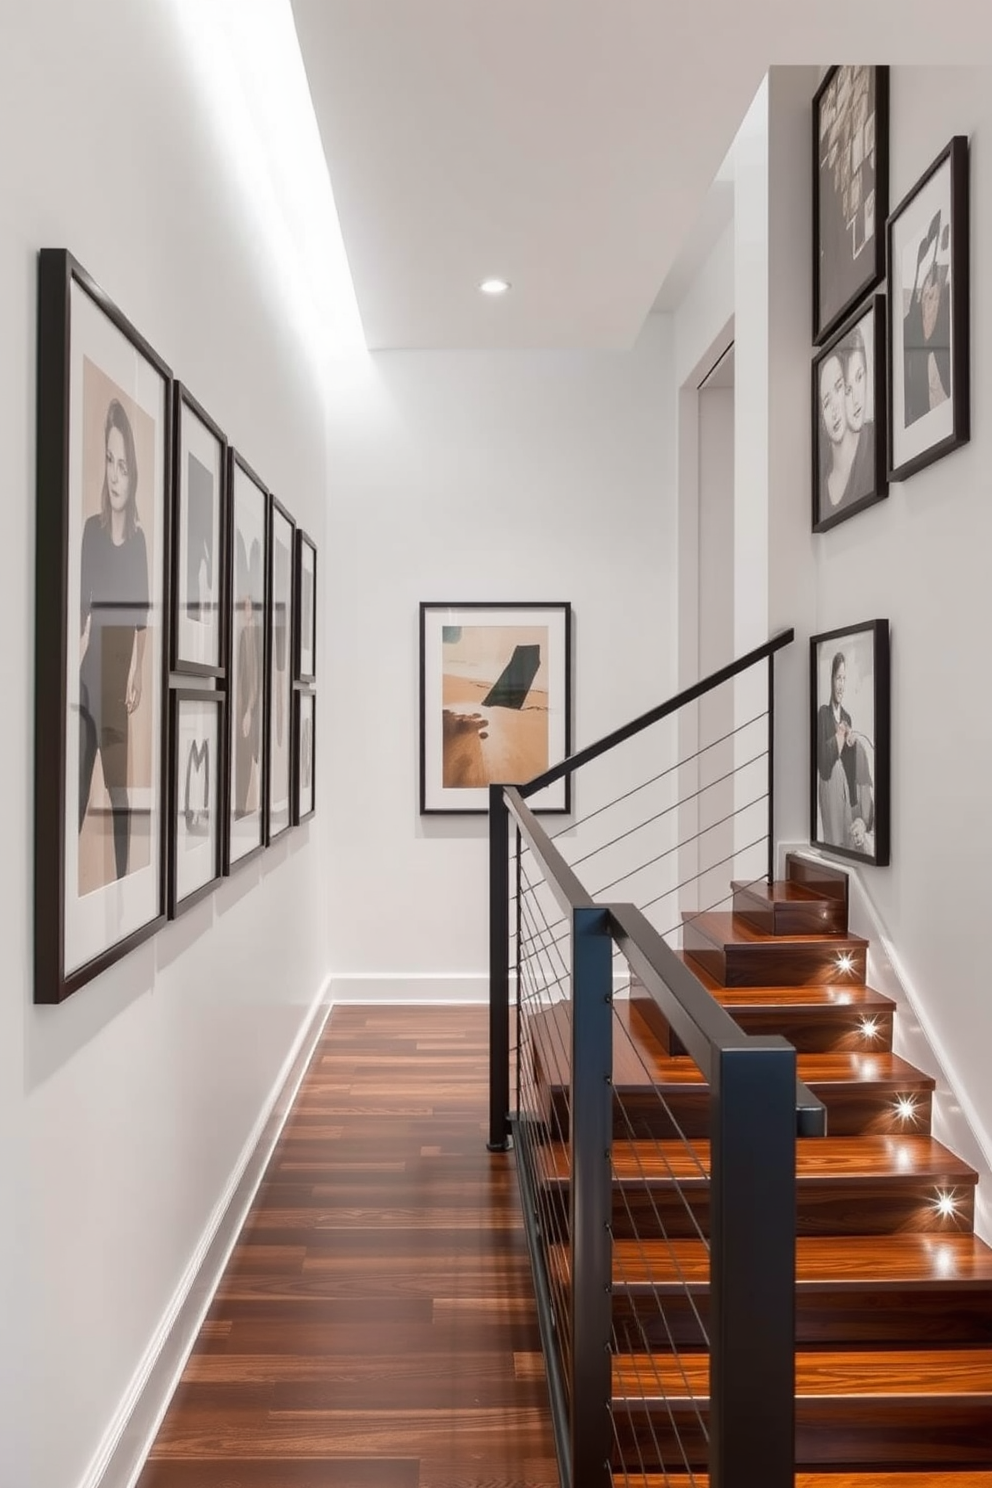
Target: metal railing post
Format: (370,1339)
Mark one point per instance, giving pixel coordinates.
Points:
(590,1137)
(499,971)
(753,1265)
(771,768)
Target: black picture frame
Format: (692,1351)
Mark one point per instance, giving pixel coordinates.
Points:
(103,474)
(304,754)
(850,742)
(279,623)
(197,795)
(929,318)
(849,408)
(305,609)
(474,691)
(197,626)
(850,191)
(247,663)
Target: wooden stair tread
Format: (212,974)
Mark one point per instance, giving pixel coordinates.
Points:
(782,891)
(869,1479)
(818,1160)
(910,1374)
(844,1262)
(841,993)
(723,928)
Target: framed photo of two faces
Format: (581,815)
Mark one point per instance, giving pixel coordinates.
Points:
(890,382)
(169,636)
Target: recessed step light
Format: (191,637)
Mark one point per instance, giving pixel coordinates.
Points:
(494,286)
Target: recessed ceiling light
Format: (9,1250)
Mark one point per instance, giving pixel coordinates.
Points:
(494,286)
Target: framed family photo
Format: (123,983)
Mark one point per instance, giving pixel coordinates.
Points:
(304,754)
(280,633)
(495,702)
(195,819)
(849,449)
(849,742)
(198,533)
(103,482)
(850,191)
(305,644)
(928,292)
(247,561)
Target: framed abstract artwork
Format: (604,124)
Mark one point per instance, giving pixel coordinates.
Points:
(849,448)
(495,702)
(850,191)
(247,564)
(849,741)
(305,644)
(103,481)
(199,530)
(304,755)
(196,820)
(929,391)
(279,630)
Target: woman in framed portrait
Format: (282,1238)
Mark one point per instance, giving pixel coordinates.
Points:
(114,604)
(843,759)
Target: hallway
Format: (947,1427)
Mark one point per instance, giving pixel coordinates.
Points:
(375,1327)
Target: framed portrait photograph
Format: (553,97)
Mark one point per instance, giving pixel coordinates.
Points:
(850,191)
(928,291)
(195,818)
(849,449)
(247,561)
(282,530)
(103,481)
(304,755)
(198,534)
(495,702)
(849,739)
(305,646)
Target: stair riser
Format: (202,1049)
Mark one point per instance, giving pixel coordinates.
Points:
(824,1318)
(837,1433)
(771,964)
(817,917)
(685,1112)
(836,1207)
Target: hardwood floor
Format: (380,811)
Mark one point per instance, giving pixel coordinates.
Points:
(376,1326)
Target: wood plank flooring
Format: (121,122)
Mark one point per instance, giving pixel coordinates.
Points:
(375,1327)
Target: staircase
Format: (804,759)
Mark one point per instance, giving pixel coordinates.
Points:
(893,1289)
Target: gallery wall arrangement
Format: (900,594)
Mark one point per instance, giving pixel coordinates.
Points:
(890,395)
(168,643)
(495,702)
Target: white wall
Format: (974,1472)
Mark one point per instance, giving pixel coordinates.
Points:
(493,476)
(124,1111)
(920,558)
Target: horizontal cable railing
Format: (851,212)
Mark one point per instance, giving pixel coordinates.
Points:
(659,1203)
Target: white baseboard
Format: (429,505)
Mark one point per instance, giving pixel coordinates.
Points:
(956,1122)
(129,1437)
(414,987)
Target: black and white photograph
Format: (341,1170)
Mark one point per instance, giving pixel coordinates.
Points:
(849,735)
(306,607)
(195,837)
(929,411)
(850,191)
(849,451)
(280,630)
(104,450)
(247,565)
(199,470)
(305,705)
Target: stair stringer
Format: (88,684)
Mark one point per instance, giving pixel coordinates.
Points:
(956,1123)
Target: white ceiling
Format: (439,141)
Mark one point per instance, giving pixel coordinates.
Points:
(565,145)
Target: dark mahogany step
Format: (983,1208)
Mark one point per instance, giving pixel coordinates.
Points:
(660,1096)
(787,908)
(871,1479)
(845,1185)
(900,1291)
(909,1407)
(739,956)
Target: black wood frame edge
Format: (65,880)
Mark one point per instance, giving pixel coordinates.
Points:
(275,506)
(183,397)
(298,675)
(236,460)
(215,696)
